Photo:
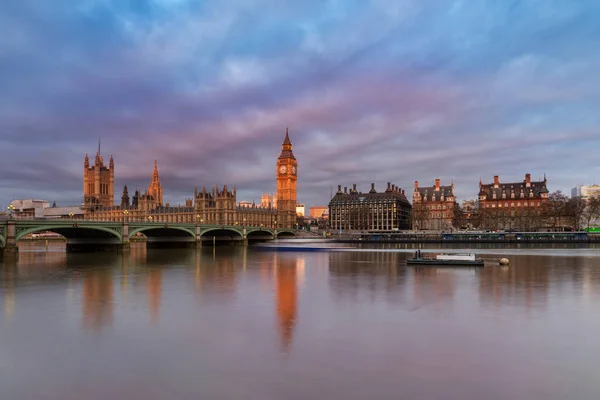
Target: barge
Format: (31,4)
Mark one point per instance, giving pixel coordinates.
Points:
(445,259)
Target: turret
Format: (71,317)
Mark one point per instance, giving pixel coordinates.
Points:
(125,199)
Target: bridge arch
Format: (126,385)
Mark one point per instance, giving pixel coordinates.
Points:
(203,232)
(74,231)
(286,234)
(259,234)
(162,231)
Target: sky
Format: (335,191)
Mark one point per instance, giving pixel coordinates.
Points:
(372,91)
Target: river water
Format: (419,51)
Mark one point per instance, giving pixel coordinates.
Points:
(238,323)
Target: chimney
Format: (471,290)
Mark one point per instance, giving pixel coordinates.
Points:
(402,192)
(496,181)
(416,185)
(373,187)
(527,180)
(389,186)
(339,188)
(354,187)
(346,189)
(437,184)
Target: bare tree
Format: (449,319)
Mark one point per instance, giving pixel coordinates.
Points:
(420,215)
(574,210)
(555,207)
(592,210)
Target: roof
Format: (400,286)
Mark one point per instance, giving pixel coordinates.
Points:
(431,194)
(358,197)
(504,190)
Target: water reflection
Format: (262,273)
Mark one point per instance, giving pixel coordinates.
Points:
(344,320)
(435,286)
(286,274)
(154,286)
(358,275)
(97,298)
(525,283)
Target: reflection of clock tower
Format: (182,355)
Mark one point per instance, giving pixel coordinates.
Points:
(287,174)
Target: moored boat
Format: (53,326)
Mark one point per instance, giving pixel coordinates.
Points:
(446,259)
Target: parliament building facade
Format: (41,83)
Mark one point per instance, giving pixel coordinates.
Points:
(216,206)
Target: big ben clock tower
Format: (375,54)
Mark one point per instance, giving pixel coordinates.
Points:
(287,174)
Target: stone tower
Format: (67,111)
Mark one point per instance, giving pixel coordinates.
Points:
(98,182)
(125,199)
(155,189)
(287,175)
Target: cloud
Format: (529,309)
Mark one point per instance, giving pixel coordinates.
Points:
(372,91)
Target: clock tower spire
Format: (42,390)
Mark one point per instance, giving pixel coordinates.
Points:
(287,175)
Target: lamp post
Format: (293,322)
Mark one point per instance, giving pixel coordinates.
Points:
(125,214)
(71,215)
(11,210)
(149,218)
(198,219)
(275,224)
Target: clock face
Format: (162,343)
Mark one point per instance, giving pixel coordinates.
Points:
(294,170)
(282,169)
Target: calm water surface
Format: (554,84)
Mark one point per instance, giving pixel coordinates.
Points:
(235,323)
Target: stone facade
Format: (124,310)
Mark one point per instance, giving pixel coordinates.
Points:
(215,206)
(287,175)
(434,207)
(384,211)
(98,182)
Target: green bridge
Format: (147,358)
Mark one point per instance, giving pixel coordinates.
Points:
(84,235)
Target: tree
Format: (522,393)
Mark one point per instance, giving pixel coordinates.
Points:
(420,215)
(459,219)
(574,210)
(555,207)
(592,210)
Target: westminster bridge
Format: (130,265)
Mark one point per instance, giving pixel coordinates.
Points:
(82,235)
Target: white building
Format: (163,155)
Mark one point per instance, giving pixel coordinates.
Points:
(585,191)
(29,207)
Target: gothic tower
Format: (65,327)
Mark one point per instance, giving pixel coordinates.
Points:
(155,189)
(287,175)
(98,182)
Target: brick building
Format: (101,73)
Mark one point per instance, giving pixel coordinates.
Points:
(434,207)
(515,205)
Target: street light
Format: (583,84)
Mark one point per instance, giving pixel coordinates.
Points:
(149,218)
(71,215)
(125,214)
(11,209)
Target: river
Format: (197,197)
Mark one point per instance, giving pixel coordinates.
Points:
(238,323)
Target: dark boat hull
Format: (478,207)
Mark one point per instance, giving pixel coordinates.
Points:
(444,263)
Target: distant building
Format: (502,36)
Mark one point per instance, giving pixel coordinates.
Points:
(74,212)
(245,203)
(585,191)
(98,182)
(300,210)
(434,207)
(317,212)
(213,206)
(515,205)
(155,188)
(385,211)
(269,200)
(29,208)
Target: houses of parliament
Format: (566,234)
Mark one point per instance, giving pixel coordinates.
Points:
(215,206)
